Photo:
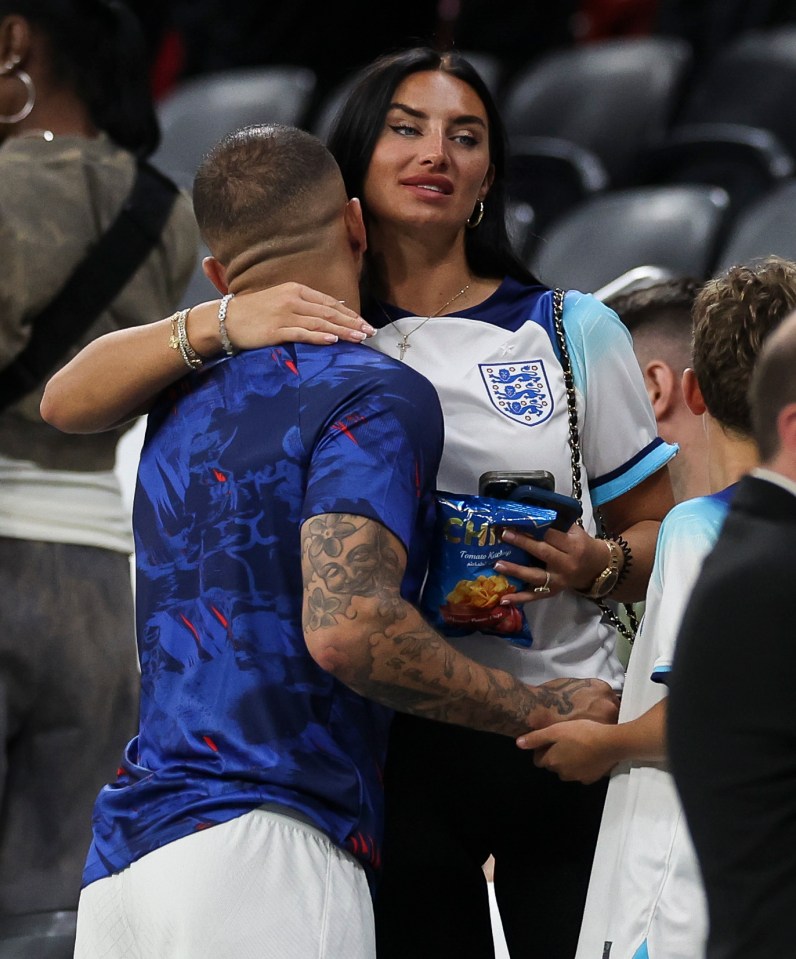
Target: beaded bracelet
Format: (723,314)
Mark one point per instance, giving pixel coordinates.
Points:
(226,343)
(623,544)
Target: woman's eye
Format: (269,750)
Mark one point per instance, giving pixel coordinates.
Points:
(468,139)
(403,129)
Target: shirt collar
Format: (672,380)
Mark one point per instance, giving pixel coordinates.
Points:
(778,479)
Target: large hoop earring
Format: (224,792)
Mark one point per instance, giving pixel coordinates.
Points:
(11,69)
(473,223)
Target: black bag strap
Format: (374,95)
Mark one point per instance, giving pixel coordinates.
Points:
(94,284)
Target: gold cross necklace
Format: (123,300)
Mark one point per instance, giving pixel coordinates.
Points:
(404,343)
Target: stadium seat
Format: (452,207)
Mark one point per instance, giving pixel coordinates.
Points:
(204,109)
(745,161)
(610,97)
(675,228)
(549,177)
(767,226)
(752,83)
(736,127)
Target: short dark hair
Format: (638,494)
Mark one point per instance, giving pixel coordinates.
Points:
(665,304)
(359,125)
(658,317)
(259,183)
(97,48)
(772,388)
(733,315)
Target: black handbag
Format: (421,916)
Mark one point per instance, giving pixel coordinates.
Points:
(94,284)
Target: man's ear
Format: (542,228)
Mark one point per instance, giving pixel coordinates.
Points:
(215,272)
(662,387)
(355,226)
(786,428)
(693,394)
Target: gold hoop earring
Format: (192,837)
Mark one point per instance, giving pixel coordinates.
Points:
(11,69)
(473,223)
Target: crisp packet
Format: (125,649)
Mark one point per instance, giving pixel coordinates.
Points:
(462,591)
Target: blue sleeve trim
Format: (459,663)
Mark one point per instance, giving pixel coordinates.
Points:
(611,485)
(661,675)
(642,952)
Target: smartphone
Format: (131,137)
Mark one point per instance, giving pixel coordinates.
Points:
(534,487)
(500,484)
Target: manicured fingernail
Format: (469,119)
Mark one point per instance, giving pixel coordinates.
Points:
(356,335)
(499,566)
(508,536)
(330,337)
(522,743)
(370,330)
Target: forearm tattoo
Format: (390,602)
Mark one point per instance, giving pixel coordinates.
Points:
(352,570)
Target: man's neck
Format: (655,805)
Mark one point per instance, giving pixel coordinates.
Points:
(334,279)
(730,456)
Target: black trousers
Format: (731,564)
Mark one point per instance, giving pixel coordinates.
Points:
(455,796)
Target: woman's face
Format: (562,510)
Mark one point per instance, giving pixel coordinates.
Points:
(431,161)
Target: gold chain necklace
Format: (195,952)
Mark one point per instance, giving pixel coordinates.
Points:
(404,343)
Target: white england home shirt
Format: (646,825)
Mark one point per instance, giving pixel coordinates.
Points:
(645,898)
(499,378)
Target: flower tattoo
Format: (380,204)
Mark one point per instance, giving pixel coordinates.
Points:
(328,533)
(322,609)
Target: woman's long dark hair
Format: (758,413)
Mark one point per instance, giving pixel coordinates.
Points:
(360,122)
(97,48)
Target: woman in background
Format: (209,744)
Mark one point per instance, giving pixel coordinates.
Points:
(75,116)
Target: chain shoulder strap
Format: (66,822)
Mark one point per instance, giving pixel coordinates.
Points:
(629,632)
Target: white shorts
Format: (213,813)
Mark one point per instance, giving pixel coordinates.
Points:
(262,886)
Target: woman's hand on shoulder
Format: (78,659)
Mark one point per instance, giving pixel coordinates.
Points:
(292,313)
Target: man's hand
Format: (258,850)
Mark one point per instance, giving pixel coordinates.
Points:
(590,699)
(581,750)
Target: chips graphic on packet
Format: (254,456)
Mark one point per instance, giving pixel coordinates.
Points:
(462,592)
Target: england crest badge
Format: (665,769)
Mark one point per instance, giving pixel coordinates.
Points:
(519,391)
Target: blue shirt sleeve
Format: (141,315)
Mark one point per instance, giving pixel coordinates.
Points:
(377,450)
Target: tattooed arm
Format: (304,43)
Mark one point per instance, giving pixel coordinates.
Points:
(359,628)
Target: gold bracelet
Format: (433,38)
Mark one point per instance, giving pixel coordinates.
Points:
(190,357)
(174,342)
(606,581)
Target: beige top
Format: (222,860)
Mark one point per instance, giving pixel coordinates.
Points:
(56,199)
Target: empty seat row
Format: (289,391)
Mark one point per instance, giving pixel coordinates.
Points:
(642,110)
(675,230)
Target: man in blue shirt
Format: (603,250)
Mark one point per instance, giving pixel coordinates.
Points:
(281,519)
